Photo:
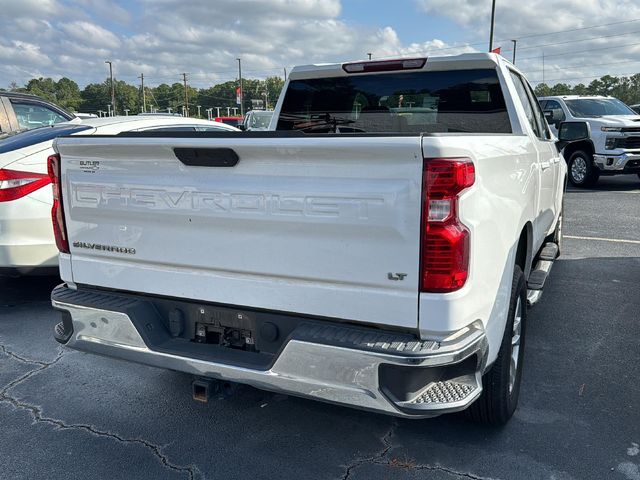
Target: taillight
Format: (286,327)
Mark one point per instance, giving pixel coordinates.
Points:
(445,240)
(15,184)
(57,213)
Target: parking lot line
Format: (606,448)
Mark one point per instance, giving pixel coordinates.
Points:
(599,239)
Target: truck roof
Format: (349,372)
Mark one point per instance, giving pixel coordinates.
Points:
(571,97)
(465,60)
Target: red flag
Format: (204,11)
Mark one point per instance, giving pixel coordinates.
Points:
(496,50)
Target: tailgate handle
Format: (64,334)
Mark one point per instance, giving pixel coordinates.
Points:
(207,157)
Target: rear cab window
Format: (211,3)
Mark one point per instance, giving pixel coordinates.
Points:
(463,101)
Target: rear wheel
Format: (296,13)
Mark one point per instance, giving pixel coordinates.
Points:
(582,172)
(501,384)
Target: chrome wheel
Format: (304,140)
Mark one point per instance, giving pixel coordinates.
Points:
(579,169)
(515,345)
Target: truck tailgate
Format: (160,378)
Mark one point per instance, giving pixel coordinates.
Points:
(318,226)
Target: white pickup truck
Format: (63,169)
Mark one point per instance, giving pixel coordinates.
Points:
(613,146)
(377,250)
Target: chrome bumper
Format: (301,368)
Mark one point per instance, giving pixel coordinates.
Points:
(311,369)
(614,162)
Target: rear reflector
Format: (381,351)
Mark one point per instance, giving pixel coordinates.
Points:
(445,241)
(57,213)
(15,184)
(385,65)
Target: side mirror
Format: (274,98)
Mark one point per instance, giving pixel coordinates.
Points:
(569,132)
(241,126)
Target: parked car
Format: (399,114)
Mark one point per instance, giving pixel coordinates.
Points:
(20,111)
(257,120)
(233,121)
(613,147)
(384,262)
(27,244)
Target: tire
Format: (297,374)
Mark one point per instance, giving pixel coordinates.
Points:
(581,171)
(501,384)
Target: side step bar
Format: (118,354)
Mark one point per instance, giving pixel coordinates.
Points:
(540,273)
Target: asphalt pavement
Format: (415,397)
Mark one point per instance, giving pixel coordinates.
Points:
(66,414)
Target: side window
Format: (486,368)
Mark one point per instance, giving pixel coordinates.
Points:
(556,108)
(542,123)
(32,115)
(526,103)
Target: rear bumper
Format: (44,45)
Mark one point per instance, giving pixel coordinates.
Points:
(351,366)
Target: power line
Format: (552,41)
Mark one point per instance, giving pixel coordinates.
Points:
(464,45)
(584,51)
(579,78)
(574,41)
(564,67)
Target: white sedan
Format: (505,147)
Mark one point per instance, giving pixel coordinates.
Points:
(27,244)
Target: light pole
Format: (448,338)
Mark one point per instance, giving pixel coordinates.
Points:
(198,110)
(217,111)
(369,56)
(241,92)
(493,18)
(515,42)
(228,111)
(109,107)
(126,112)
(113,90)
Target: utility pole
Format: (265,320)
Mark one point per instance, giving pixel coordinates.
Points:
(542,66)
(241,92)
(369,56)
(113,90)
(144,100)
(515,42)
(186,95)
(285,74)
(493,18)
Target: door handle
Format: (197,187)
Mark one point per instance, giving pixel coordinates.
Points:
(545,165)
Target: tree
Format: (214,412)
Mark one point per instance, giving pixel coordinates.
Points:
(542,90)
(68,94)
(96,97)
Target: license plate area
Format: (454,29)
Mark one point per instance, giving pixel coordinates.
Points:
(226,328)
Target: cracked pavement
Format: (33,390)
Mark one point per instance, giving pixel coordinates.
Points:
(66,414)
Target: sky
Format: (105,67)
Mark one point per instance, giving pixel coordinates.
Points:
(572,41)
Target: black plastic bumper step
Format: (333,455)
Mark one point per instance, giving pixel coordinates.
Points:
(549,252)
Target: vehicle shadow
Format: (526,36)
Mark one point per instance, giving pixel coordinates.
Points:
(26,289)
(618,183)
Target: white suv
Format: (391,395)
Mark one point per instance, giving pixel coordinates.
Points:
(614,144)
